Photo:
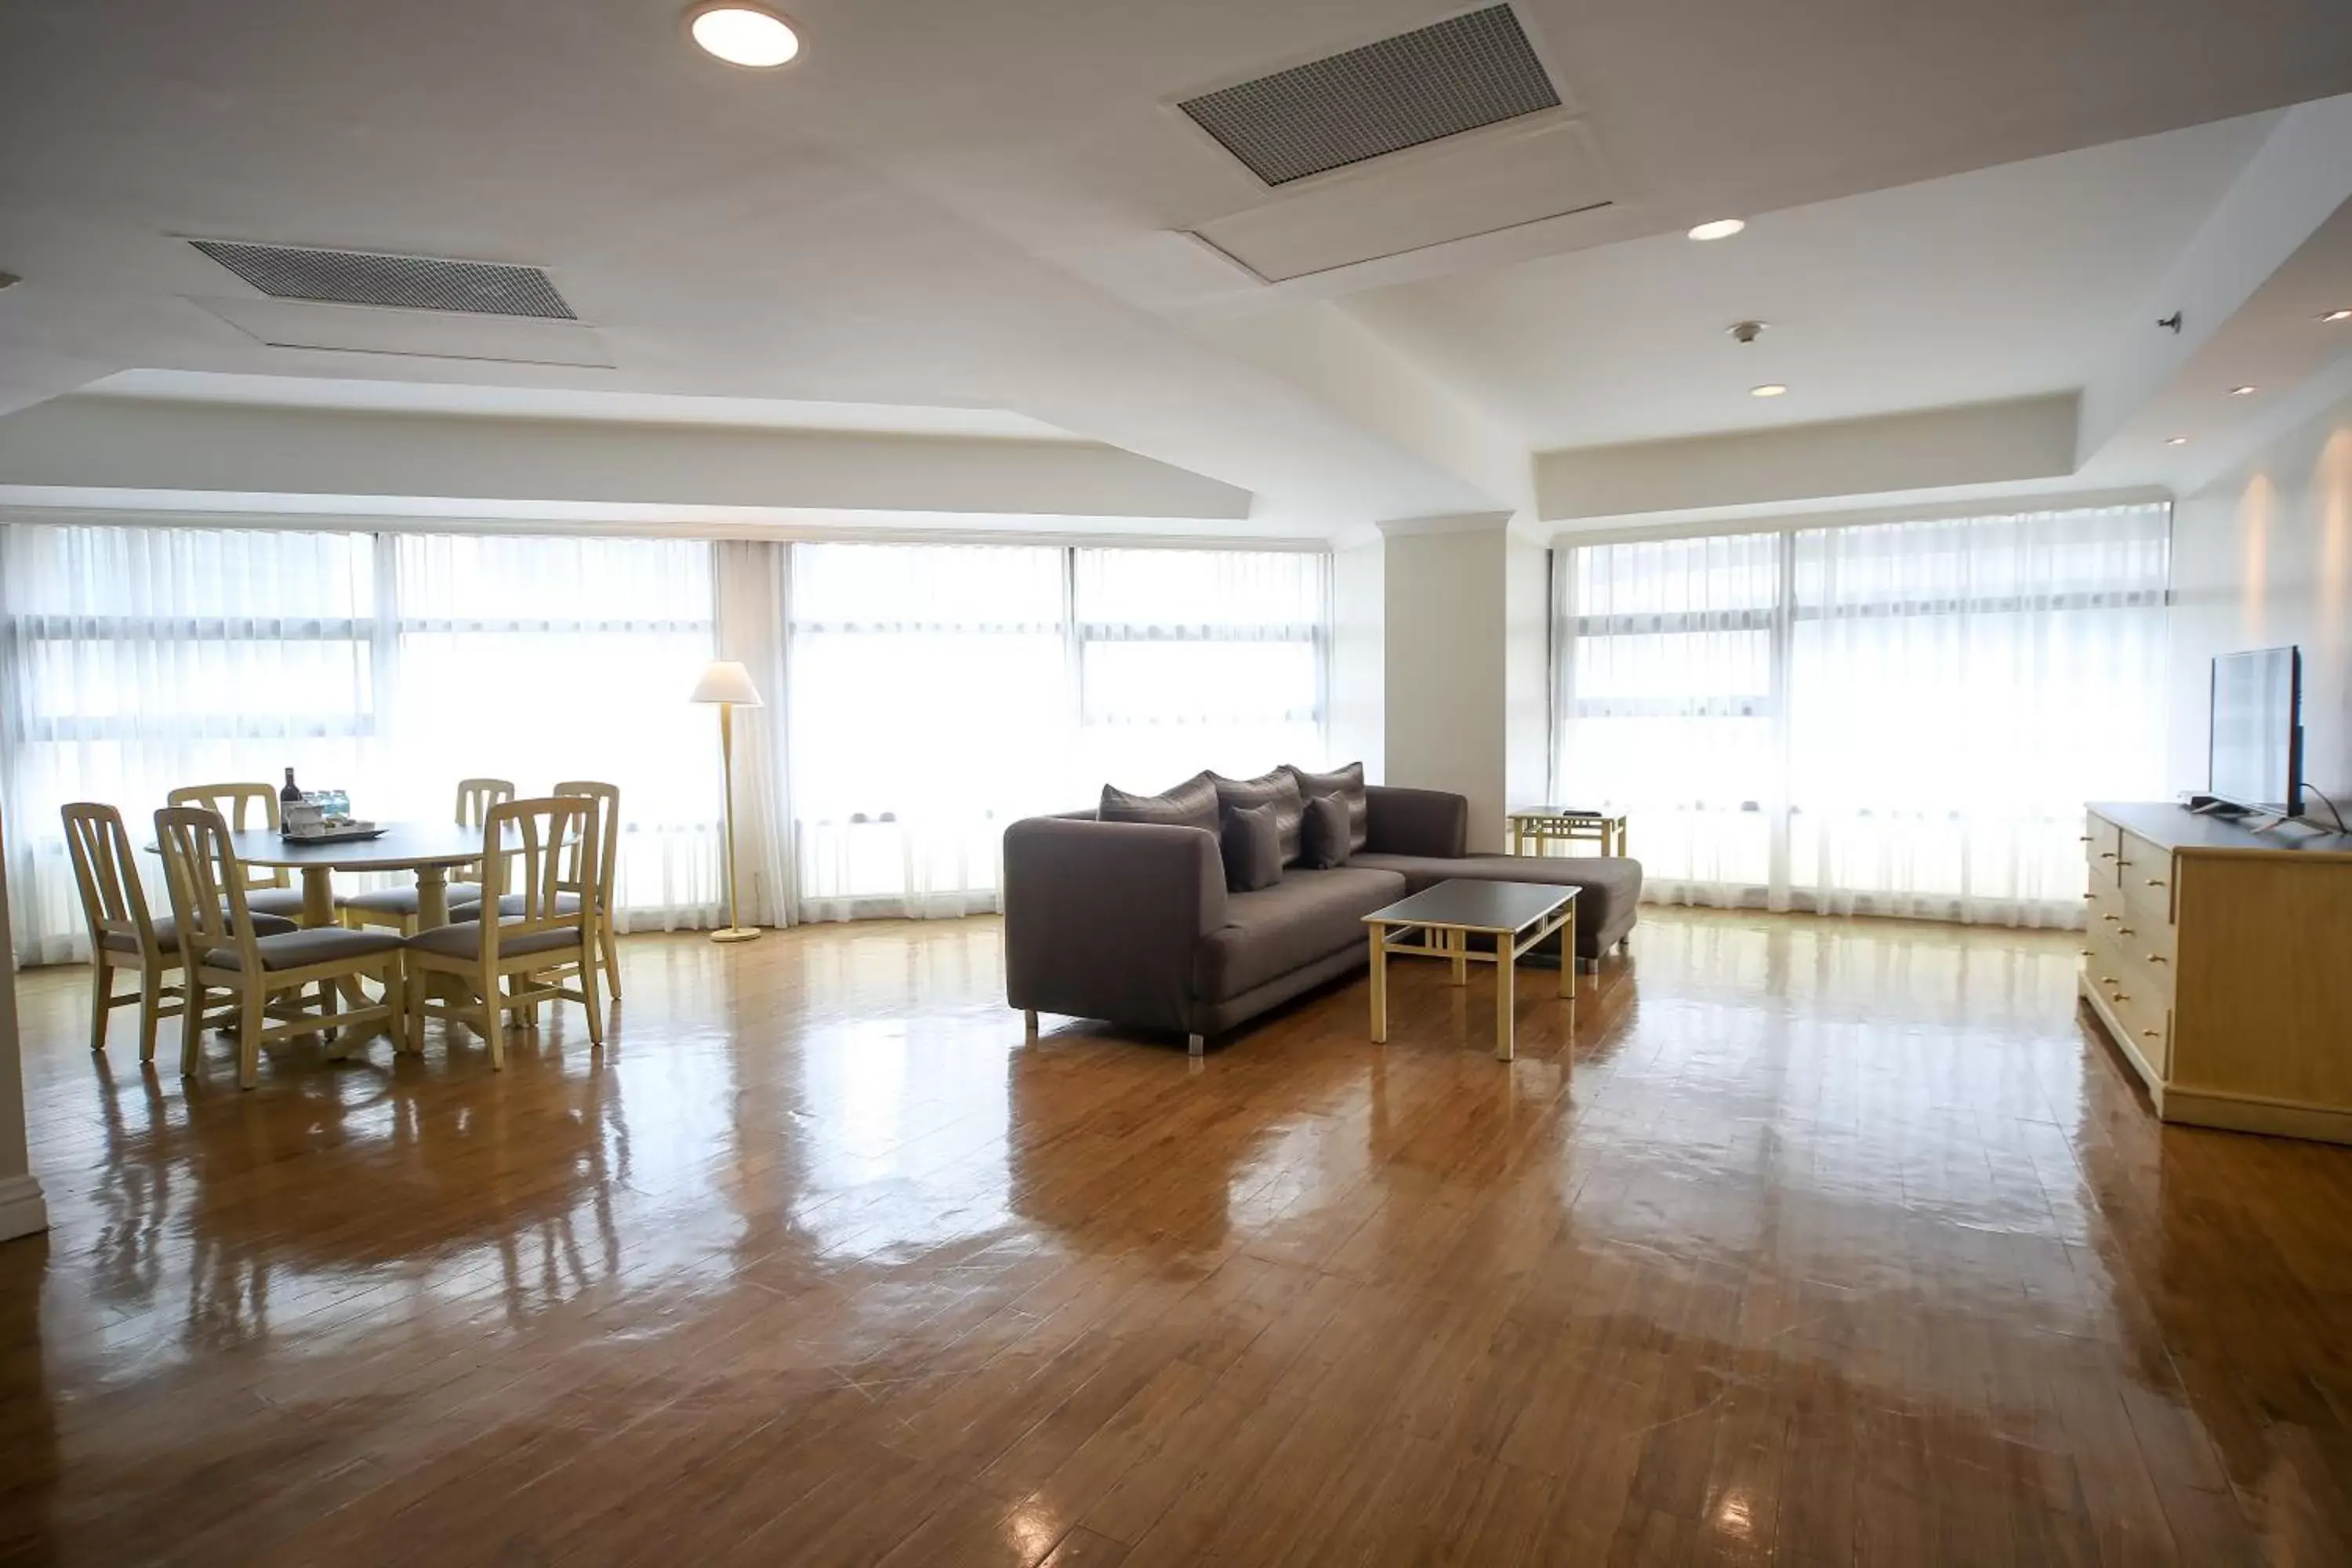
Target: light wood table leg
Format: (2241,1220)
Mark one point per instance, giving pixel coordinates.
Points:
(1458,942)
(1568,956)
(318,896)
(432,912)
(1380,984)
(1507,1000)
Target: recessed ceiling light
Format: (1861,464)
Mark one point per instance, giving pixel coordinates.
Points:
(2176,440)
(744,35)
(2241,390)
(2345,315)
(1769,389)
(1721,228)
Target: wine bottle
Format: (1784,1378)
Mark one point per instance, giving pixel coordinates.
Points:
(289,795)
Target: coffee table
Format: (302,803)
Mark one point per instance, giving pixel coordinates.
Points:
(1517,915)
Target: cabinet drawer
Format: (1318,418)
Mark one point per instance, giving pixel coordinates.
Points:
(2148,910)
(2140,999)
(2103,845)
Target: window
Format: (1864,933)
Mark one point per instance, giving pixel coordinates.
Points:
(1898,717)
(939,691)
(136,659)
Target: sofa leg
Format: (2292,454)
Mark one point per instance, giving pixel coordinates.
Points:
(1197,1044)
(1029,1021)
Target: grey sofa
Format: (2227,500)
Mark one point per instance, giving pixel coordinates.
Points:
(1131,922)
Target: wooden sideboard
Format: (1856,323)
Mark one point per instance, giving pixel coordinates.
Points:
(2221,960)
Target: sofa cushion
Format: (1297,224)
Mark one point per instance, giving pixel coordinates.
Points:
(1323,833)
(1609,886)
(1193,804)
(1348,784)
(1278,789)
(1252,843)
(1306,916)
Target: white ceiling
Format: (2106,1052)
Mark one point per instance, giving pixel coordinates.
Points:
(960,206)
(2000,283)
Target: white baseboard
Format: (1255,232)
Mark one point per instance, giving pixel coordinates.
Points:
(22,1209)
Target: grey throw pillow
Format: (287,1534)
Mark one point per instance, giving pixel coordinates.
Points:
(1323,833)
(1348,784)
(1193,804)
(1276,789)
(1252,843)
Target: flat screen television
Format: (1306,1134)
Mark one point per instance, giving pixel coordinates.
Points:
(2256,750)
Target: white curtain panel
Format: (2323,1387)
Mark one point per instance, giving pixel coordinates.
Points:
(134,659)
(942,691)
(751,598)
(1902,719)
(539,658)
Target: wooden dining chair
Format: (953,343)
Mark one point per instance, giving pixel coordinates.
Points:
(396,906)
(608,855)
(267,891)
(540,934)
(222,948)
(121,934)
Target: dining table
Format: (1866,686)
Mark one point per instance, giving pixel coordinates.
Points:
(429,850)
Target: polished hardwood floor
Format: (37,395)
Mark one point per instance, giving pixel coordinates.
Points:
(1810,1241)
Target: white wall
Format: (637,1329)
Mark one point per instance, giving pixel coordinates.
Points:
(1444,655)
(1359,673)
(1526,664)
(2262,558)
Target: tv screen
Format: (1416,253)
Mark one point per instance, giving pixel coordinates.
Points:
(2257,747)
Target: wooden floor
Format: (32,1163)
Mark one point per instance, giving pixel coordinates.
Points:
(1842,1242)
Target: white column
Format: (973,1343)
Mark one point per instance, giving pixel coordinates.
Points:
(22,1210)
(1446,655)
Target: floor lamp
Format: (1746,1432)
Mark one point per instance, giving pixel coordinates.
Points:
(729,684)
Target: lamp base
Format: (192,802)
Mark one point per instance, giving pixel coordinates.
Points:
(737,933)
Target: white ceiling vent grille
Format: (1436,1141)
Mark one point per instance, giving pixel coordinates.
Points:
(1436,82)
(407,282)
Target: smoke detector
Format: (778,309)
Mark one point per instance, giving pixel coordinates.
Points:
(1746,331)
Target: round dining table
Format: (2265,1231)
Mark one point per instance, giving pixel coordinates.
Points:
(429,849)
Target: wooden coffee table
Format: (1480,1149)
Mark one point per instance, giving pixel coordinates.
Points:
(1517,915)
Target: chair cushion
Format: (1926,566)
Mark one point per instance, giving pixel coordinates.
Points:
(402,901)
(1193,804)
(1306,916)
(295,950)
(1323,833)
(464,939)
(565,903)
(167,934)
(1251,842)
(286,901)
(1348,784)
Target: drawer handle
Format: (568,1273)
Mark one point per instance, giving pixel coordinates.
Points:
(2158,957)
(2114,917)
(2121,997)
(2106,854)
(2156,881)
(2125,931)
(2086,952)
(2086,838)
(2106,980)
(2150,1034)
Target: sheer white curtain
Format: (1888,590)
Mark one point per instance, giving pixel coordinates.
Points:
(133,661)
(541,658)
(939,691)
(1897,718)
(1199,658)
(930,705)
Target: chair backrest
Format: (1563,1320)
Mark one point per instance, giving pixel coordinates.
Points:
(207,883)
(113,901)
(608,846)
(542,849)
(236,803)
(475,798)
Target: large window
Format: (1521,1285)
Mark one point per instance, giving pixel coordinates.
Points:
(939,691)
(136,659)
(1900,718)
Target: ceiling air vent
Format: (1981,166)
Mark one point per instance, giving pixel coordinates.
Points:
(1436,82)
(408,282)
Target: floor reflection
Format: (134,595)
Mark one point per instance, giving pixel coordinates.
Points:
(1791,1238)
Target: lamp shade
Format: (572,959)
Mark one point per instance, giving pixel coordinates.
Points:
(726,681)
